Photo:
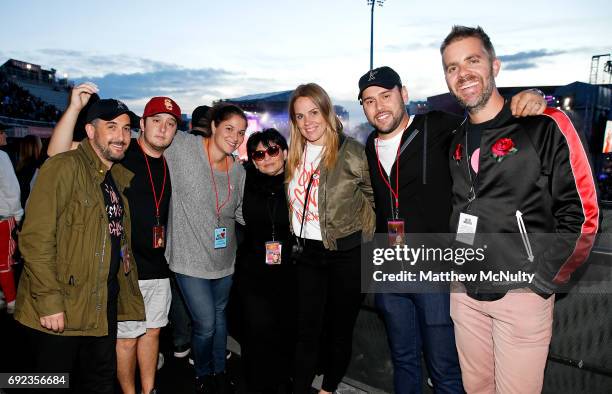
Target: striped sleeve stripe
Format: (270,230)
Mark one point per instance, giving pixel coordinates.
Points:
(585,186)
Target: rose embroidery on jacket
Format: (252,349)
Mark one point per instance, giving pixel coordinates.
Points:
(457,155)
(502,148)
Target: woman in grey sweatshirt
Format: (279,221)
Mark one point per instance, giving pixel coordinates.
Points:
(207,188)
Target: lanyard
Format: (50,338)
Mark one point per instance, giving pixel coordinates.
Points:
(229,190)
(272,212)
(314,175)
(395,192)
(161,194)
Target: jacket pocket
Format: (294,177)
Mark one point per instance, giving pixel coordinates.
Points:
(77,307)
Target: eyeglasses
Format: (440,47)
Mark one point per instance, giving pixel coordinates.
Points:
(272,151)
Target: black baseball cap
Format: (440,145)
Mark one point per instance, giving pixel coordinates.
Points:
(199,117)
(109,109)
(385,77)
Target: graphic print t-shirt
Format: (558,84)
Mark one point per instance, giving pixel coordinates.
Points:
(114,211)
(297,194)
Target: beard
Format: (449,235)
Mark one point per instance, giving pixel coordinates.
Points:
(106,151)
(483,98)
(396,121)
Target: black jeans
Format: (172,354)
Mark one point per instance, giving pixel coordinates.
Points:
(90,361)
(329,298)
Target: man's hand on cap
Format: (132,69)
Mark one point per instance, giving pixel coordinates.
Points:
(80,95)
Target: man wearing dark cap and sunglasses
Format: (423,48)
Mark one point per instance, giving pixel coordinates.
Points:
(79,277)
(408,158)
(148,195)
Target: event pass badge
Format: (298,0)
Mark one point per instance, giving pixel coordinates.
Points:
(466,229)
(159,237)
(273,252)
(395,228)
(126,258)
(220,237)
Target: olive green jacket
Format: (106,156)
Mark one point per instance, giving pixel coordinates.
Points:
(346,199)
(66,246)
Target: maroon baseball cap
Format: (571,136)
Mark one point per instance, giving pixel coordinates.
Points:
(162,105)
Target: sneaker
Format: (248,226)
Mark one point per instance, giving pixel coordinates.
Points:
(182,351)
(10,307)
(160,361)
(205,385)
(224,383)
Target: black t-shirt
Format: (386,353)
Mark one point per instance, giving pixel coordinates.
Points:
(114,210)
(151,262)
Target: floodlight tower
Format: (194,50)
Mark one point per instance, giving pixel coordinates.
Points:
(372,3)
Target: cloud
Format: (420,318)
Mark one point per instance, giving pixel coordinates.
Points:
(519,66)
(529,55)
(413,46)
(136,79)
(167,80)
(525,59)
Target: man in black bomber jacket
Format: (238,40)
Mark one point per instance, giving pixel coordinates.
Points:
(523,177)
(408,161)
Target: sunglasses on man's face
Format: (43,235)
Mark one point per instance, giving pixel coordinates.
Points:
(272,151)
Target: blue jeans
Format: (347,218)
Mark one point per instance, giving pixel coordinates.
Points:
(415,323)
(206,300)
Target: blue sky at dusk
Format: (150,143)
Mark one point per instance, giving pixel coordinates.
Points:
(200,51)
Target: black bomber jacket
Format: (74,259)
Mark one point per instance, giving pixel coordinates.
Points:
(545,175)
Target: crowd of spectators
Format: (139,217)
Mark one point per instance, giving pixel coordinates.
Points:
(16,102)
(605,179)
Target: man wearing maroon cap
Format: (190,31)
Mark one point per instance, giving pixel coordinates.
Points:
(149,196)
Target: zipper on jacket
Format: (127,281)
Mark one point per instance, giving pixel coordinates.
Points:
(100,266)
(524,236)
(394,212)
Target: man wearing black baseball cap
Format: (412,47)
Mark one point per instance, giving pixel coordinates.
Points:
(79,276)
(103,119)
(408,157)
(148,196)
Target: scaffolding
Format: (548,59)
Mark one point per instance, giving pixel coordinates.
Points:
(601,69)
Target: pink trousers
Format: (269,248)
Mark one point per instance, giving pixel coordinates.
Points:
(502,344)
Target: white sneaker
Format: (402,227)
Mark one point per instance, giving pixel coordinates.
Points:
(160,361)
